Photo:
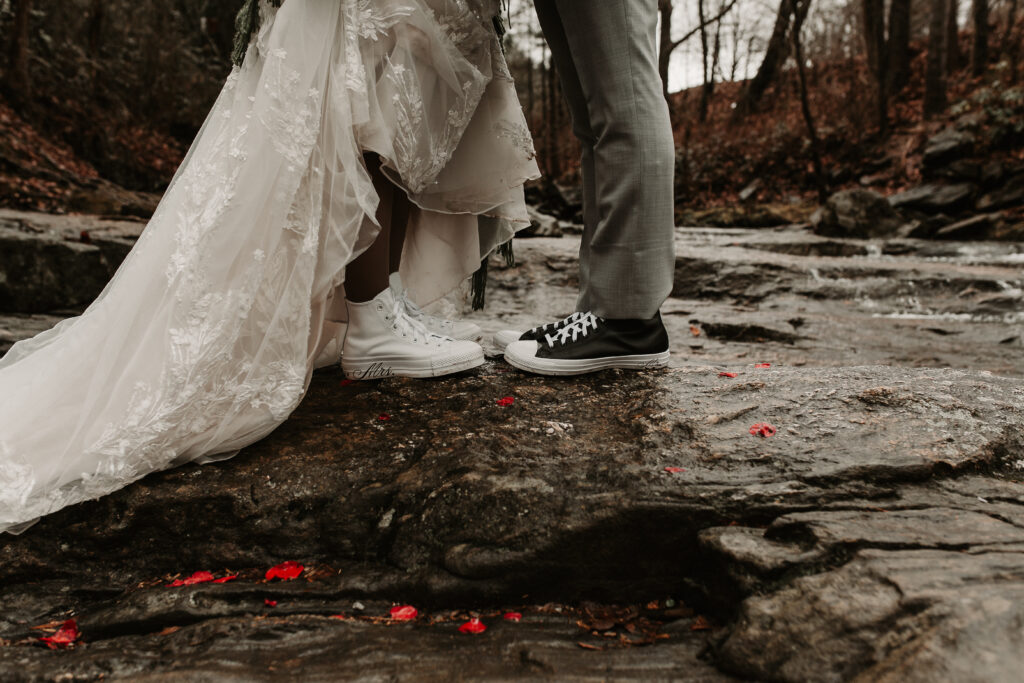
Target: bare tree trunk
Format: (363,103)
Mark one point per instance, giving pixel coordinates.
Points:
(1011,41)
(545,109)
(873,14)
(935,67)
(805,106)
(95,28)
(899,44)
(734,65)
(874,37)
(665,45)
(529,92)
(979,48)
(953,59)
(705,90)
(774,56)
(19,82)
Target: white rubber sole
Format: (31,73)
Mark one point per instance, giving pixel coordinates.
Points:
(550,366)
(383,367)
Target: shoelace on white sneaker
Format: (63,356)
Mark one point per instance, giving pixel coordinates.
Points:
(418,314)
(576,330)
(575,317)
(410,327)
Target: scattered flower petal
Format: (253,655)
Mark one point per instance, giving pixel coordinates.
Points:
(507,401)
(383,417)
(763,365)
(66,635)
(763,429)
(675,470)
(345,382)
(513,616)
(269,603)
(730,375)
(404,612)
(84,237)
(474,626)
(225,579)
(286,571)
(198,577)
(694,330)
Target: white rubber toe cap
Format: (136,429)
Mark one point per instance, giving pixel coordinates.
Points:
(505,337)
(466,330)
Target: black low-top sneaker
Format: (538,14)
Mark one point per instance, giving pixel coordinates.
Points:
(590,344)
(505,337)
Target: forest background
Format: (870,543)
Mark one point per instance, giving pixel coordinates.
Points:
(774,102)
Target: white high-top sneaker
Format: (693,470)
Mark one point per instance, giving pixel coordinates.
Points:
(383,341)
(456,329)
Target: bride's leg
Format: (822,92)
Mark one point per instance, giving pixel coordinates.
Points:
(382,340)
(400,207)
(367,275)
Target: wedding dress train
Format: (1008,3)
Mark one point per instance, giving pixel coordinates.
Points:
(205,339)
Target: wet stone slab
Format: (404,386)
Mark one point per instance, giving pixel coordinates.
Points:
(454,502)
(879,533)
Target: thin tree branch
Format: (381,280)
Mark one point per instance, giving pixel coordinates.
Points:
(697,29)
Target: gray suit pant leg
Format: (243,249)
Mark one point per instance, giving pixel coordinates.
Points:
(606,55)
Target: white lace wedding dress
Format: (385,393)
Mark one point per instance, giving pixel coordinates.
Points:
(205,339)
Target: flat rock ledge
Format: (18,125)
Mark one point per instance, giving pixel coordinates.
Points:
(877,535)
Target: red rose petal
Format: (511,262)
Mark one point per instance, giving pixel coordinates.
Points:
(225,579)
(383,417)
(506,401)
(763,429)
(403,612)
(269,603)
(513,616)
(198,577)
(474,626)
(84,237)
(763,365)
(345,382)
(675,470)
(730,375)
(66,635)
(286,571)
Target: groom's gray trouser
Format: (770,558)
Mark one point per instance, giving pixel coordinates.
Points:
(606,55)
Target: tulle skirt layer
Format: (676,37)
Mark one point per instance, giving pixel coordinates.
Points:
(205,339)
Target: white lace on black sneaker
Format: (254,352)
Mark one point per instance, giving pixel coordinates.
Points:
(505,337)
(557,353)
(578,329)
(559,324)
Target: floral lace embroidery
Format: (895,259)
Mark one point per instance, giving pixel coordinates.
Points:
(197,390)
(518,134)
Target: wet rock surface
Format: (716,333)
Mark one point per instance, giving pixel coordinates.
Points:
(858,214)
(58,262)
(878,533)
